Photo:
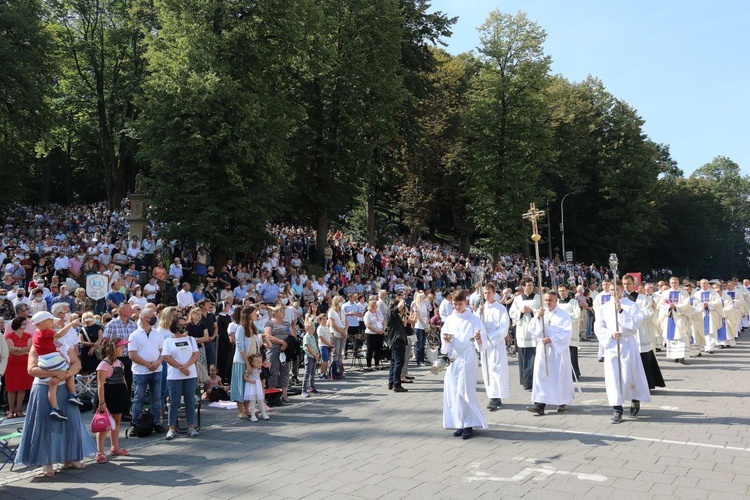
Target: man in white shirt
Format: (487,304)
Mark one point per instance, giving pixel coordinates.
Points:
(150,289)
(144,350)
(184,297)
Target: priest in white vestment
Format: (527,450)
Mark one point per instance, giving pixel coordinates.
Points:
(634,387)
(724,333)
(675,313)
(522,312)
(461,332)
(712,314)
(553,373)
(495,356)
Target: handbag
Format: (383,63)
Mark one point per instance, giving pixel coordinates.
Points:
(202,372)
(102,421)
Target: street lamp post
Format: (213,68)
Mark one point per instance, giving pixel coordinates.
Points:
(562,226)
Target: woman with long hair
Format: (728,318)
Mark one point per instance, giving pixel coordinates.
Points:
(247,342)
(337,323)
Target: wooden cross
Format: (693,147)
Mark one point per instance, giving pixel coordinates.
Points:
(533,214)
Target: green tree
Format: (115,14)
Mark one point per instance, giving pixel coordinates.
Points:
(508,134)
(102,42)
(350,87)
(219,116)
(25,78)
(731,191)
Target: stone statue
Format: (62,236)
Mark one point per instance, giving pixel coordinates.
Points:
(139,183)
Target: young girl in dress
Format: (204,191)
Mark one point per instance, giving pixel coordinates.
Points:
(114,395)
(254,388)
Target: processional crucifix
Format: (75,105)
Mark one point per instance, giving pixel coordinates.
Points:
(533,214)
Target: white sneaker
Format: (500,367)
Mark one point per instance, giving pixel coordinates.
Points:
(253,418)
(305,395)
(192,432)
(171,434)
(264,416)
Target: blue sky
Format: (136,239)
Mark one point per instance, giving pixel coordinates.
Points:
(683,65)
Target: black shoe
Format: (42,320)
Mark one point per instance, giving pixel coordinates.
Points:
(390,387)
(467,433)
(133,433)
(658,349)
(676,360)
(616,418)
(495,404)
(159,429)
(562,409)
(699,355)
(601,360)
(398,388)
(635,408)
(407,377)
(722,346)
(458,432)
(536,409)
(682,360)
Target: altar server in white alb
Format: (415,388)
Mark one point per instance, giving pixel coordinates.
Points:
(634,385)
(551,330)
(495,356)
(734,316)
(675,313)
(461,332)
(645,332)
(601,299)
(522,312)
(567,303)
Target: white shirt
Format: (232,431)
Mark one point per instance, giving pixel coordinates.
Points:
(185,299)
(181,350)
(148,347)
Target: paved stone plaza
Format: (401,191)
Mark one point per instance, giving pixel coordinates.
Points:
(357,439)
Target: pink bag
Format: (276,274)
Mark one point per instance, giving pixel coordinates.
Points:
(102,422)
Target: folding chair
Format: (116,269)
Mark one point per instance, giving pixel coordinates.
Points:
(358,350)
(8,450)
(181,417)
(86,386)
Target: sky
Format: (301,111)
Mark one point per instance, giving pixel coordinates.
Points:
(683,65)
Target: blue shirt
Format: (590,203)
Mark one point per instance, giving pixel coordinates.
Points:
(116,297)
(270,293)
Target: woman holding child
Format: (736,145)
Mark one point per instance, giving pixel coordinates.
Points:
(247,342)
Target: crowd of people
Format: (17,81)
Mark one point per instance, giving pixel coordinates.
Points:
(175,325)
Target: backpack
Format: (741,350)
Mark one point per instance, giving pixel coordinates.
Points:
(144,426)
(337,370)
(293,348)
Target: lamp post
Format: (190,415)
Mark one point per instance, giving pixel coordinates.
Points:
(562,226)
(549,233)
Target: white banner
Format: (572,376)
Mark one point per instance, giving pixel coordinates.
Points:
(96,286)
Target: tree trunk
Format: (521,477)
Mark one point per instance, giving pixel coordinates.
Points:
(465,243)
(370,203)
(413,234)
(322,236)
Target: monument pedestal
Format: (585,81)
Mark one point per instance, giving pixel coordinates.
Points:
(138,223)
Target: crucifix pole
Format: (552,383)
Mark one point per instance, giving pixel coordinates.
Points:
(533,215)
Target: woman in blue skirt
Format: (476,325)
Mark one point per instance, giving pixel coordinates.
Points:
(48,441)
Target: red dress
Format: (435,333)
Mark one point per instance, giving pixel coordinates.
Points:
(17,376)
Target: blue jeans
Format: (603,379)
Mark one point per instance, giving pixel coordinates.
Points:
(421,337)
(152,382)
(177,390)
